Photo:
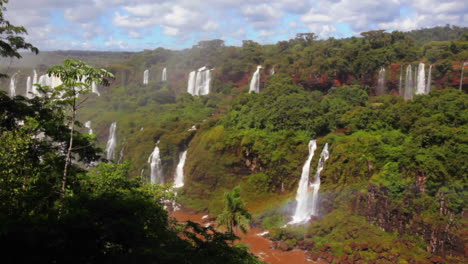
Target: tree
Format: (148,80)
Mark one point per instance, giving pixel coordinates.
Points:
(11,40)
(76,77)
(234,214)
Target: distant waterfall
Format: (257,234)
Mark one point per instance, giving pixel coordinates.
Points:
(34,89)
(421,81)
(272,71)
(461,75)
(316,184)
(156,167)
(303,209)
(381,82)
(28,87)
(255,82)
(429,79)
(164,75)
(111,142)
(13,85)
(409,86)
(179,174)
(400,84)
(88,126)
(94,89)
(199,82)
(145,76)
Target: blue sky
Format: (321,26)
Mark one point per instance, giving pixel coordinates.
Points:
(135,25)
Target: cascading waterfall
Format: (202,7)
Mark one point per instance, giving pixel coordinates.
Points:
(13,85)
(199,81)
(381,82)
(400,84)
(156,176)
(316,184)
(28,87)
(408,84)
(303,209)
(145,76)
(461,75)
(164,75)
(272,71)
(111,142)
(191,83)
(88,126)
(94,89)
(179,173)
(34,82)
(429,79)
(255,82)
(421,81)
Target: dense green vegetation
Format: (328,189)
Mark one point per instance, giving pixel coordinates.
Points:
(394,188)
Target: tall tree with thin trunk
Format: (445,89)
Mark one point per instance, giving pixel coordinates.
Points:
(234,214)
(77,78)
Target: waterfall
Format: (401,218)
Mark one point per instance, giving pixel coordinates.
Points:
(408,83)
(191,83)
(156,167)
(400,84)
(94,89)
(461,75)
(34,82)
(88,126)
(28,87)
(303,211)
(13,85)
(316,184)
(111,142)
(429,79)
(145,76)
(179,173)
(421,81)
(164,75)
(381,82)
(255,82)
(272,71)
(199,81)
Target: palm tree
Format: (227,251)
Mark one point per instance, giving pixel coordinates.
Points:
(234,214)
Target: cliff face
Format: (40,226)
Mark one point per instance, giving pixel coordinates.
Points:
(442,235)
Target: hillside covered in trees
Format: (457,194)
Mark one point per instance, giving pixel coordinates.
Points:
(394,189)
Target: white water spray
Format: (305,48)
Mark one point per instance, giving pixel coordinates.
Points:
(28,87)
(164,75)
(156,176)
(303,198)
(111,142)
(88,126)
(145,76)
(179,174)
(255,82)
(13,85)
(429,80)
(421,81)
(316,184)
(199,81)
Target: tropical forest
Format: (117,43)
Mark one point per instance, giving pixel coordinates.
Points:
(310,149)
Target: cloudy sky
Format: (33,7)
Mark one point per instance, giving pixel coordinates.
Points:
(147,24)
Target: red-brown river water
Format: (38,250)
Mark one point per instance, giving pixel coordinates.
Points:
(259,245)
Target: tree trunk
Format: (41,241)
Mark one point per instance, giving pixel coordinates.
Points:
(68,158)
